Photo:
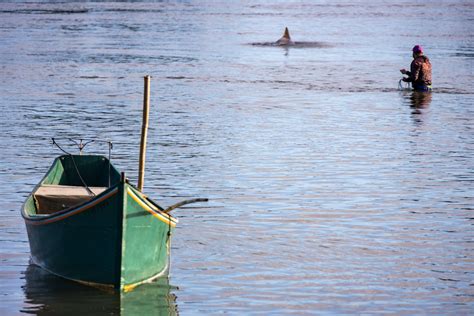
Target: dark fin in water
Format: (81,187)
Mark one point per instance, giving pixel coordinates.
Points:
(286,34)
(285,39)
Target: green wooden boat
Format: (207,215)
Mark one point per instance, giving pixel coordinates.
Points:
(87,223)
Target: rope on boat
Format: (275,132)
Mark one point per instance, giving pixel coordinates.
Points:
(80,177)
(57,145)
(110,157)
(75,166)
(81,146)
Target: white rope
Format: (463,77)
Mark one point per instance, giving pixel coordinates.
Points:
(400,85)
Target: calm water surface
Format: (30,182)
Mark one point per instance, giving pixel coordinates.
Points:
(331,192)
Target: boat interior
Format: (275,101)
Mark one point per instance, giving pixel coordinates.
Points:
(72,181)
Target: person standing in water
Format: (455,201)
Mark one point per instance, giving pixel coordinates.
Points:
(420,71)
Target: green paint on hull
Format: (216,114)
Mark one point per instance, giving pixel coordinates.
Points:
(142,255)
(117,238)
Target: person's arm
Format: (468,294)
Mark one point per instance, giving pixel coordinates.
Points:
(405,72)
(414,74)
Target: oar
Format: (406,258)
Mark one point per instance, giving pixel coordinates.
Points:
(172,207)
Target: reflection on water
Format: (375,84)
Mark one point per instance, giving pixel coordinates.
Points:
(150,299)
(47,294)
(420,100)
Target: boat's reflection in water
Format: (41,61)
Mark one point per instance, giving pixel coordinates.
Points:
(47,294)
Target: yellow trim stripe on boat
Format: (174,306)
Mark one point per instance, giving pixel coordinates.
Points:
(156,213)
(77,211)
(128,288)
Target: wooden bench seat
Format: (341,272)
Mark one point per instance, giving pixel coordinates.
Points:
(53,198)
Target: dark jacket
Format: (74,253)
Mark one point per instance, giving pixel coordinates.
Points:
(420,72)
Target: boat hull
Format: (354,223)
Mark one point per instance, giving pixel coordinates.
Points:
(83,244)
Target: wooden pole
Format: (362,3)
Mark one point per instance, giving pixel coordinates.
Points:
(146,111)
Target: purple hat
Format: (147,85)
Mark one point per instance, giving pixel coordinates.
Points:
(417,49)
